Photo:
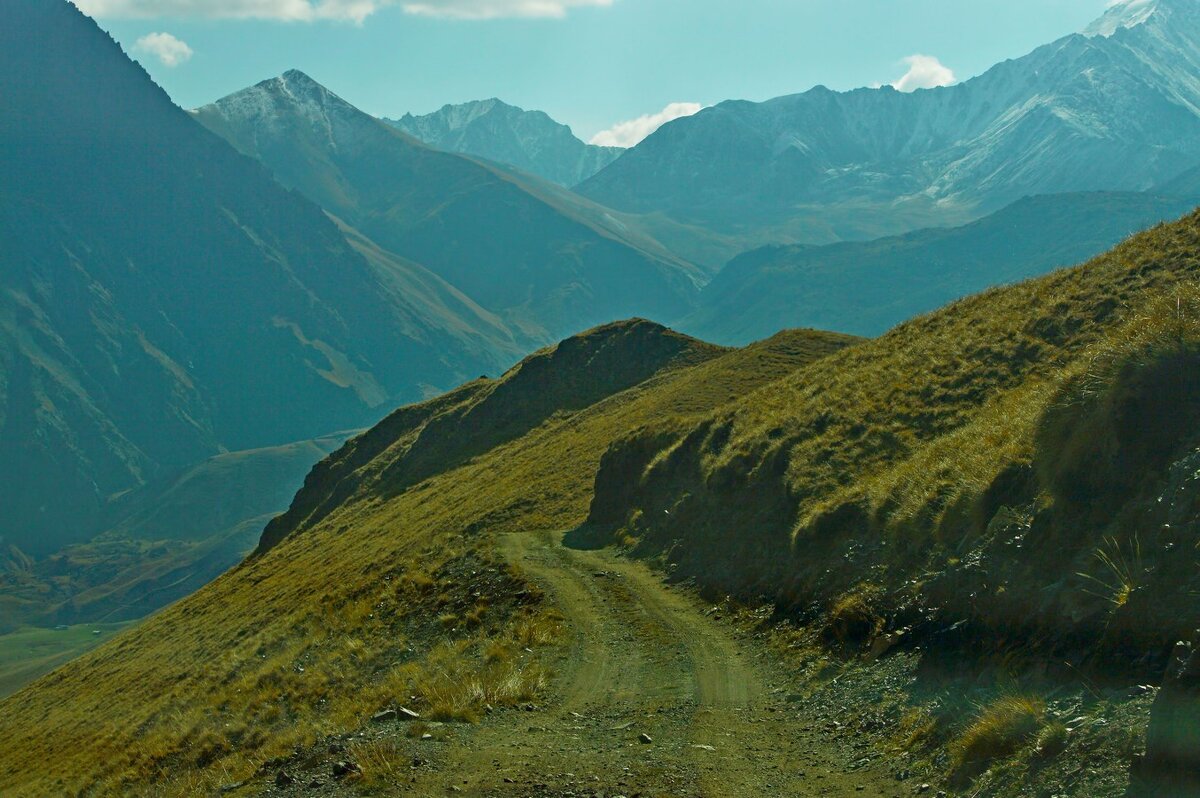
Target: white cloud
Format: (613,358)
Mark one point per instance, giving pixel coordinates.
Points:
(166,48)
(495,9)
(630,133)
(284,10)
(313,10)
(924,72)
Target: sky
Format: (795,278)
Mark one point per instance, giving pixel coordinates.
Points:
(612,69)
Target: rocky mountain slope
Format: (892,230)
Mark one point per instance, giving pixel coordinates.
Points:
(869,287)
(1115,108)
(163,299)
(528,140)
(532,255)
(927,525)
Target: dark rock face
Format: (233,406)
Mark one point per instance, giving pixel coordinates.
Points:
(1171,764)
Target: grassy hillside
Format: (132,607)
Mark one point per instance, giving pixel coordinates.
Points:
(867,288)
(348,606)
(985,492)
(31,652)
(1012,468)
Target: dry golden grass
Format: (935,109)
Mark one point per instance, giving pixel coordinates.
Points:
(854,617)
(897,454)
(1001,729)
(341,619)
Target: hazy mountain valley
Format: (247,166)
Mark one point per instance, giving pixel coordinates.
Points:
(843,443)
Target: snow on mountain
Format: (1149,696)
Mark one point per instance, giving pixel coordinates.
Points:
(1122,14)
(1117,108)
(528,140)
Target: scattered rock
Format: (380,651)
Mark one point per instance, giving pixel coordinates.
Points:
(345,769)
(284,779)
(885,643)
(645,739)
(404,713)
(704,747)
(386,716)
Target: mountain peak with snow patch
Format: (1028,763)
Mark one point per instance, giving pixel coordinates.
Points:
(1122,14)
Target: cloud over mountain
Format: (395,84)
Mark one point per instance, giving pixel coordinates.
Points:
(166,48)
(632,132)
(924,72)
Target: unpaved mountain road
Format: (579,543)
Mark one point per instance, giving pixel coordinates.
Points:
(644,659)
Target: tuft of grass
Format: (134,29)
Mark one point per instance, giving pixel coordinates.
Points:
(1052,740)
(1123,568)
(458,689)
(1000,730)
(853,617)
(538,630)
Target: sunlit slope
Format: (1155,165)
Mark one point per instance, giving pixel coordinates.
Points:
(1016,462)
(306,638)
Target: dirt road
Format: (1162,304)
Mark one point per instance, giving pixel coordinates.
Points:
(644,660)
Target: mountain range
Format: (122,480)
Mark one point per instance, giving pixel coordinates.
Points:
(1116,108)
(164,298)
(527,140)
(542,260)
(866,288)
(959,553)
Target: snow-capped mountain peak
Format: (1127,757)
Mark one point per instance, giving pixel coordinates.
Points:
(1123,14)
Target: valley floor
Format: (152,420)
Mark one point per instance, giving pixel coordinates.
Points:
(31,652)
(639,658)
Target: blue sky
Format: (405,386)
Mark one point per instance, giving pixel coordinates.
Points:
(589,63)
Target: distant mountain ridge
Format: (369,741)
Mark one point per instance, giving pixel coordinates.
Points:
(1117,108)
(528,140)
(540,258)
(163,299)
(868,287)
